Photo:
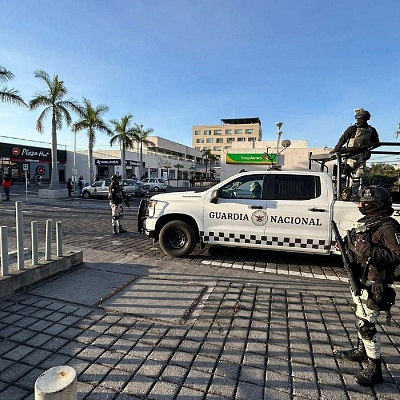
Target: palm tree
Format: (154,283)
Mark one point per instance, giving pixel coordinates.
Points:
(91,120)
(178,167)
(53,99)
(208,157)
(9,95)
(124,136)
(140,136)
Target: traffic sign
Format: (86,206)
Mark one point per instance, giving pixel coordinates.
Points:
(25,167)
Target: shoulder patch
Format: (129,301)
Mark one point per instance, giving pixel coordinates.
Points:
(397,236)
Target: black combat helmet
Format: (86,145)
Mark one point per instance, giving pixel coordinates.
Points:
(115,178)
(374,198)
(360,113)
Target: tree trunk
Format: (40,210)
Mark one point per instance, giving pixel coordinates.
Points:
(54,182)
(141,160)
(123,160)
(91,162)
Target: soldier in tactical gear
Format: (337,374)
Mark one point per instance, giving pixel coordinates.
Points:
(375,246)
(116,197)
(354,137)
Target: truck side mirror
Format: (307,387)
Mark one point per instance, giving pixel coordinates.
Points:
(215,195)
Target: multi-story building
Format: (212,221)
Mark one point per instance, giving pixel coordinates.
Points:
(220,138)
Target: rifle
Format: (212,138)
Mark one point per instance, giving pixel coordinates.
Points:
(348,262)
(126,200)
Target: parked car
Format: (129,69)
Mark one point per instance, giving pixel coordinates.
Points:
(155,184)
(134,187)
(97,189)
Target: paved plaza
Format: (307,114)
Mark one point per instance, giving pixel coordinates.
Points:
(220,324)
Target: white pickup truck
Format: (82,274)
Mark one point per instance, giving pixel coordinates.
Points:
(275,210)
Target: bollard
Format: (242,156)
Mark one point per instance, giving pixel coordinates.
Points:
(48,240)
(35,243)
(57,383)
(4,251)
(59,238)
(20,235)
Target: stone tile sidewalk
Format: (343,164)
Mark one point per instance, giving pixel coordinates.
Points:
(242,335)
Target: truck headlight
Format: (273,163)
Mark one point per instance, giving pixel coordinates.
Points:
(152,207)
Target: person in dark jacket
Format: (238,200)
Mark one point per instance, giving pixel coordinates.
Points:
(69,187)
(359,135)
(7,183)
(375,244)
(116,197)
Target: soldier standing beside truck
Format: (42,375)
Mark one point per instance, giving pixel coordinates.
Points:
(354,137)
(375,247)
(116,197)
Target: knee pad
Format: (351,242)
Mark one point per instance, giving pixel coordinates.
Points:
(366,329)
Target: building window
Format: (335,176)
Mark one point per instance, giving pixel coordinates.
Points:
(228,147)
(197,148)
(207,132)
(217,148)
(206,148)
(197,133)
(220,140)
(230,140)
(200,140)
(238,131)
(228,131)
(249,131)
(251,139)
(209,140)
(240,139)
(217,132)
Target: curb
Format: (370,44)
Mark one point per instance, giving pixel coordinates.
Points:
(19,280)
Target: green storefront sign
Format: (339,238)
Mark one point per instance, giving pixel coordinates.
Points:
(262,158)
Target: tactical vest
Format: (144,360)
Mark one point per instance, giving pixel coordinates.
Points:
(362,137)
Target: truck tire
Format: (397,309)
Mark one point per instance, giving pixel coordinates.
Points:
(86,195)
(177,238)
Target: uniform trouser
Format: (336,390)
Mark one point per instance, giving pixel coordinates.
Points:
(366,320)
(116,214)
(358,165)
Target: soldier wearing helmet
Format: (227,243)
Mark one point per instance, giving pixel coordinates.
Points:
(356,136)
(116,197)
(375,245)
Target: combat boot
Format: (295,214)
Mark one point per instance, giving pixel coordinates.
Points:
(357,354)
(122,230)
(115,230)
(371,374)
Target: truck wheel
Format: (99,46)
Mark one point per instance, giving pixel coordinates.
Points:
(177,238)
(86,195)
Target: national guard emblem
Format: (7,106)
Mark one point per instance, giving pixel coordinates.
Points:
(259,217)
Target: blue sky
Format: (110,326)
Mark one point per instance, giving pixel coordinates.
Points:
(178,63)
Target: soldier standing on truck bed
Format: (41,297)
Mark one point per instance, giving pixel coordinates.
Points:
(375,247)
(356,136)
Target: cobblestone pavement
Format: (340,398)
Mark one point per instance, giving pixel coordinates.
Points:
(254,325)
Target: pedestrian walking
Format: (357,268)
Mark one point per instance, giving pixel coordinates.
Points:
(375,246)
(81,185)
(7,183)
(69,187)
(116,197)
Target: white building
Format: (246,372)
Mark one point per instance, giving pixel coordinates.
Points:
(162,160)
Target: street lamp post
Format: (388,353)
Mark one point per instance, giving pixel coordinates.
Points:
(279,134)
(74,172)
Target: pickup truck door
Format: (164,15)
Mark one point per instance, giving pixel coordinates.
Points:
(299,213)
(238,215)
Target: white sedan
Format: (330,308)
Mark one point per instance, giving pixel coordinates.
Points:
(155,184)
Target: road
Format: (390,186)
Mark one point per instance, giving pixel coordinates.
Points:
(87,225)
